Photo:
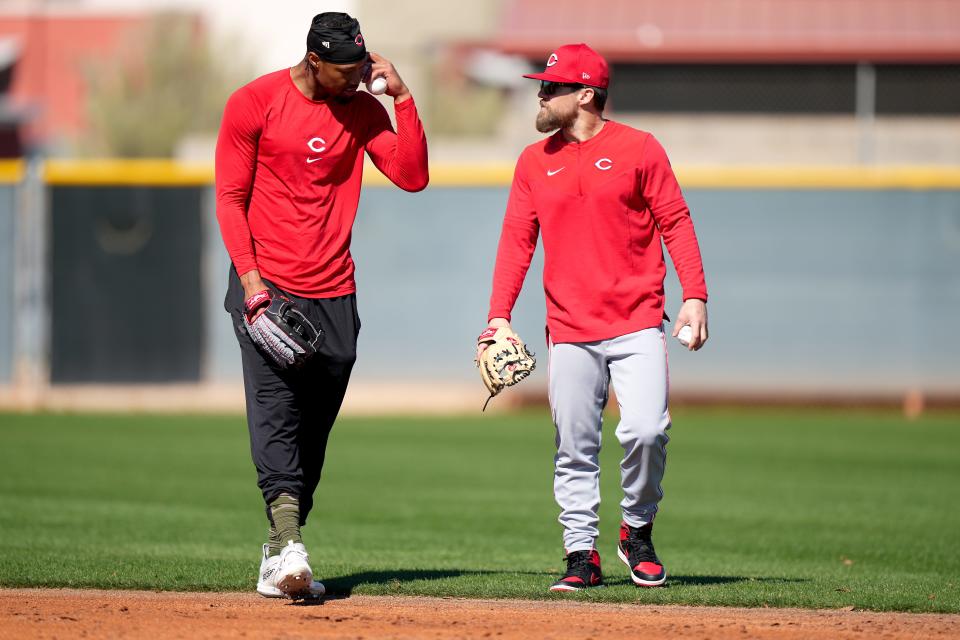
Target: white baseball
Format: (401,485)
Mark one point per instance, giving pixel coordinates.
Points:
(377,86)
(685,334)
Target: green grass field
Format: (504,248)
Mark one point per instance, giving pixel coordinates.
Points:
(762,508)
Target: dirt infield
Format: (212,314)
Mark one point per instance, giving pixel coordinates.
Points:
(54,613)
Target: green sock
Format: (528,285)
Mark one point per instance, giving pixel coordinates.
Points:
(285,511)
(273,542)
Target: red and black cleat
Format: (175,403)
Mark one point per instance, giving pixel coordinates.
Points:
(636,551)
(583,572)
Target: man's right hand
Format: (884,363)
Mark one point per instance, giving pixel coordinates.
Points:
(502,357)
(252,285)
(495,323)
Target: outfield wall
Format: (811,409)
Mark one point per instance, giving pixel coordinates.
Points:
(838,290)
(839,281)
(8,193)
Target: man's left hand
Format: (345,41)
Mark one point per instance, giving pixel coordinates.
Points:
(382,67)
(694,313)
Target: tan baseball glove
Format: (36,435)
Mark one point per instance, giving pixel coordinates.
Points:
(505,362)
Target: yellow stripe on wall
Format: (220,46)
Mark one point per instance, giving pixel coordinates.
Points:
(449,175)
(171,173)
(127,172)
(11,171)
(724,177)
(820,177)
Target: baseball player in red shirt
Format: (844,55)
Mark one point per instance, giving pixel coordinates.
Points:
(602,195)
(289,163)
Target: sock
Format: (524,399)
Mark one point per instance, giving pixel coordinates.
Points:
(285,511)
(273,542)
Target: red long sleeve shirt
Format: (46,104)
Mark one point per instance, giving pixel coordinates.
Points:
(288,173)
(602,206)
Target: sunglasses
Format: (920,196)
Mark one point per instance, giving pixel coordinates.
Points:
(550,88)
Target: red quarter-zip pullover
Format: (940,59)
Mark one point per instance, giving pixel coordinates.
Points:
(288,173)
(602,207)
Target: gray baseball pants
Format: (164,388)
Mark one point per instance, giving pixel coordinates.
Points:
(579,377)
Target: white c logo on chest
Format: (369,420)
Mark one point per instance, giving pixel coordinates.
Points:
(603,164)
(317,145)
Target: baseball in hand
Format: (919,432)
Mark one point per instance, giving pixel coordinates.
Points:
(377,85)
(685,334)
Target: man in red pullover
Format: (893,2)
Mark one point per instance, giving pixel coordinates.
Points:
(602,195)
(289,163)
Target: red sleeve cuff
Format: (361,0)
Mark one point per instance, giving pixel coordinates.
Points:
(695,294)
(494,313)
(243,267)
(406,104)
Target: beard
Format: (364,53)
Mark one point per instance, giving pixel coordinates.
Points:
(548,120)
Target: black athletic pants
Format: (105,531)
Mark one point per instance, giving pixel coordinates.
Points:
(290,413)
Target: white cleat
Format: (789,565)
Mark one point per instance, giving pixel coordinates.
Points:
(294,575)
(269,585)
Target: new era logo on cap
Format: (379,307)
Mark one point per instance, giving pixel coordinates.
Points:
(575,63)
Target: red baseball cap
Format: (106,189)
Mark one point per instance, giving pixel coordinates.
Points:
(577,64)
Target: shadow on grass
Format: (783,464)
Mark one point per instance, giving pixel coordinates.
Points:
(342,587)
(686,581)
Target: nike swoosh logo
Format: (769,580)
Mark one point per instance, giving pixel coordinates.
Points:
(553,173)
(309,160)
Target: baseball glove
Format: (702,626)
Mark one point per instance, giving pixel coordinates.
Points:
(505,362)
(281,332)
